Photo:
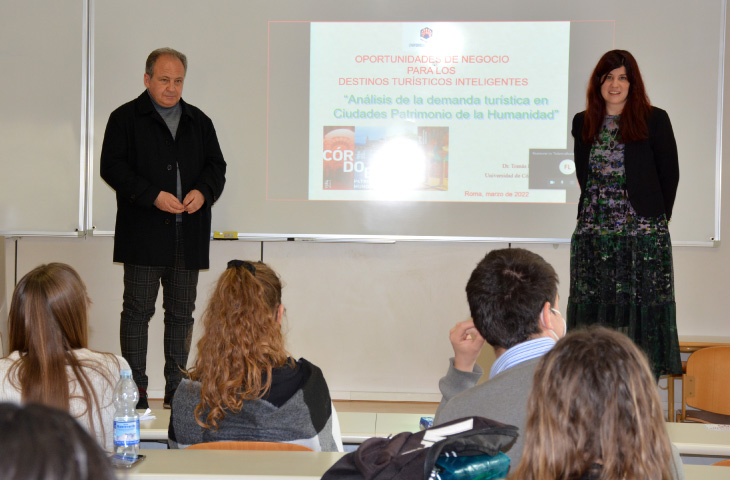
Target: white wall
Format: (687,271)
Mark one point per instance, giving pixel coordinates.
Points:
(374,317)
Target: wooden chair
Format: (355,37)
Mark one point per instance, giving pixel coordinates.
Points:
(706,386)
(241,445)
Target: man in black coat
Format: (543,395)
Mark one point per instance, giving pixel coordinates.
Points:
(161,156)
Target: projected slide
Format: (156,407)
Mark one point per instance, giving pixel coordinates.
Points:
(453,112)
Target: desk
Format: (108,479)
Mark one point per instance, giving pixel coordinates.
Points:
(250,465)
(232,465)
(392,423)
(356,427)
(697,439)
(155,430)
(692,343)
(706,472)
(689,344)
(690,439)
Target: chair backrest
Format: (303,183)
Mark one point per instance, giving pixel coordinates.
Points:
(707,381)
(240,445)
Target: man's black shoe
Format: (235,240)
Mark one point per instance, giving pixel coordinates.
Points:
(168,400)
(142,402)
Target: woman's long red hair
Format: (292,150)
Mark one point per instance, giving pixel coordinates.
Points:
(633,123)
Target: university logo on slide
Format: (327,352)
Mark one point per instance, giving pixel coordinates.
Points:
(426,33)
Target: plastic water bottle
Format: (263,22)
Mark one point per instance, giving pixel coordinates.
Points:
(126,418)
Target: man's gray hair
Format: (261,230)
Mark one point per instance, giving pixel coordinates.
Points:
(152,59)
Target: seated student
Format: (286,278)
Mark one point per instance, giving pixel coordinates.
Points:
(50,362)
(244,385)
(594,413)
(513,298)
(38,441)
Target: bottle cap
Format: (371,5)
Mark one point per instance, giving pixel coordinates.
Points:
(426,422)
(127,373)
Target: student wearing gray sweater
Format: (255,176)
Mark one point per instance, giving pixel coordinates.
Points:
(513,298)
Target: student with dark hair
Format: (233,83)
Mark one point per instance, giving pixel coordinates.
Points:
(244,385)
(40,442)
(50,362)
(513,298)
(594,413)
(621,273)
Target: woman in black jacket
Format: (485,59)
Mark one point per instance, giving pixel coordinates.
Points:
(621,253)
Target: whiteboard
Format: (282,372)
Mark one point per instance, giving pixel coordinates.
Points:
(42,117)
(233,48)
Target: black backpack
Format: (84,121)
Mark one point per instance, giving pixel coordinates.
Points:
(413,455)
